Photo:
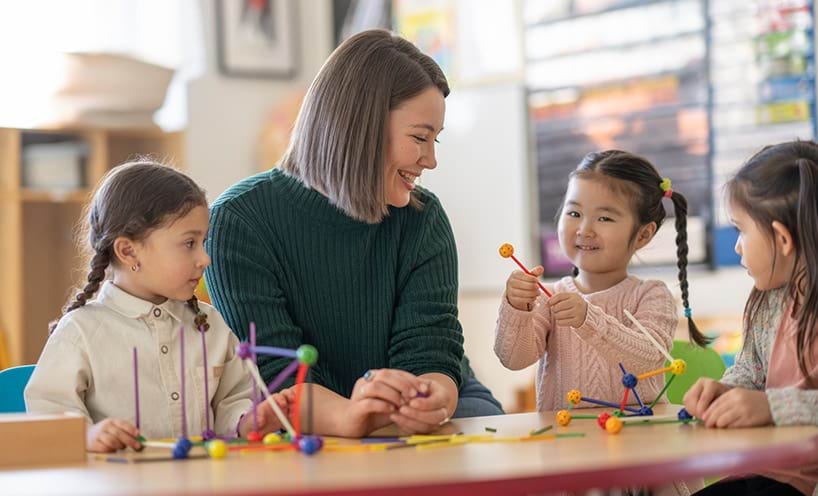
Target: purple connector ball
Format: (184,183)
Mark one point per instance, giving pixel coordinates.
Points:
(243,350)
(208,434)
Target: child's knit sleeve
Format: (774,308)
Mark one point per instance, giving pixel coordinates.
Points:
(620,341)
(520,337)
(62,375)
(793,406)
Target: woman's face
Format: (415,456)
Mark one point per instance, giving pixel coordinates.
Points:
(411,136)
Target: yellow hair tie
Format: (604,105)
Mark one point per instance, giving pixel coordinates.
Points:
(665,186)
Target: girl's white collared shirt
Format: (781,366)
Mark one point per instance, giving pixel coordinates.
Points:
(87,367)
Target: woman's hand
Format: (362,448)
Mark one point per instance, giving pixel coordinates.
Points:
(431,409)
(568,309)
(522,289)
(112,434)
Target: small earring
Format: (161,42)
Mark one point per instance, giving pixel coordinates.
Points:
(135,267)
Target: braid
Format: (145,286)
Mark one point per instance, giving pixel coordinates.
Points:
(201,318)
(99,263)
(680,207)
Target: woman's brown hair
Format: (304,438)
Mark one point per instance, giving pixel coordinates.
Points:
(338,145)
(132,200)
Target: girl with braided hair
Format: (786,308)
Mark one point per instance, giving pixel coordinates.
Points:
(146,227)
(612,208)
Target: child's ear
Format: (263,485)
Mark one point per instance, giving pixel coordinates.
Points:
(784,242)
(645,234)
(125,251)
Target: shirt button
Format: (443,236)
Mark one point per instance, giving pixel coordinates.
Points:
(157,313)
(164,349)
(174,396)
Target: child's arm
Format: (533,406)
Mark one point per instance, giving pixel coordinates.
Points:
(62,375)
(523,323)
(622,342)
(232,397)
(793,406)
(520,337)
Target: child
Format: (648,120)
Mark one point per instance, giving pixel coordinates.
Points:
(773,202)
(612,208)
(147,222)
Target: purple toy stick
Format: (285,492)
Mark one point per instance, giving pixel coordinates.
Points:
(255,387)
(208,432)
(136,385)
(184,413)
(283,375)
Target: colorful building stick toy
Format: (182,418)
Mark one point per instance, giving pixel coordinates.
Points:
(507,251)
(613,423)
(304,357)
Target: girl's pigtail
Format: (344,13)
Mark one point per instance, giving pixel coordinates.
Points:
(99,263)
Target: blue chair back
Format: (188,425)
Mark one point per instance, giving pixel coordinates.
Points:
(13,382)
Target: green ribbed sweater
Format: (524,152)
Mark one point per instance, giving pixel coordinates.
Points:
(366,296)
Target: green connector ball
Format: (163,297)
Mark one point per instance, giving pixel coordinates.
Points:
(307,354)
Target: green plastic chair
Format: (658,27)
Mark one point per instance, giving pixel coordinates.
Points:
(13,382)
(701,362)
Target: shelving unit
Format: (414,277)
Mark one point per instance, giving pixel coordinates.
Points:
(40,264)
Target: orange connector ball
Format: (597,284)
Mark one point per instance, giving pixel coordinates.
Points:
(613,425)
(506,250)
(563,417)
(573,396)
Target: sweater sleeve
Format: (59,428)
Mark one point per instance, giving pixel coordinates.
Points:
(520,337)
(426,334)
(232,396)
(793,406)
(748,371)
(243,283)
(62,375)
(623,342)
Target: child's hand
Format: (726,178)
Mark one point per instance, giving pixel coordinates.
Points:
(739,407)
(568,309)
(702,394)
(110,435)
(522,289)
(265,416)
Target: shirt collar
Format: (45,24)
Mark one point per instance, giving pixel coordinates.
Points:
(133,307)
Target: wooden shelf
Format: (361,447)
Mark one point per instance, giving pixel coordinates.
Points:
(40,262)
(78,196)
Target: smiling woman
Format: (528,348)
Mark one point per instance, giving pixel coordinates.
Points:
(340,249)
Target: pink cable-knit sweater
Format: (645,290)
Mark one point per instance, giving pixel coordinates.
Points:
(587,358)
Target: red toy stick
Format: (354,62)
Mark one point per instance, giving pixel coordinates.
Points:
(507,251)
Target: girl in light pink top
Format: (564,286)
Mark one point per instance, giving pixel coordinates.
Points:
(612,208)
(773,202)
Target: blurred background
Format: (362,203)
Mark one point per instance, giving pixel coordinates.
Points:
(214,86)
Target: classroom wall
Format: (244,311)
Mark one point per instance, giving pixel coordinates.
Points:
(227,114)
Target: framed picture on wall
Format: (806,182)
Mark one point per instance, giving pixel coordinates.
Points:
(257,38)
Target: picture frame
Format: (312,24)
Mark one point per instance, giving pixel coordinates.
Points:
(257,38)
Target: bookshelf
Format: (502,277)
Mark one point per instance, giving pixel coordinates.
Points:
(40,264)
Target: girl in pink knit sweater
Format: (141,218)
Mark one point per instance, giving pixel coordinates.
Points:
(612,208)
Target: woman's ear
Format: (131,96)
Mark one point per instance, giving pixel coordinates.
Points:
(784,241)
(645,234)
(126,251)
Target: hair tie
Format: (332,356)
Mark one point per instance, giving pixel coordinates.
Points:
(665,186)
(688,312)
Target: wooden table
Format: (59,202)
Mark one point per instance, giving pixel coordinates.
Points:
(639,455)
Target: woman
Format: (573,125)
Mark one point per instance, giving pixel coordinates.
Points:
(338,248)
